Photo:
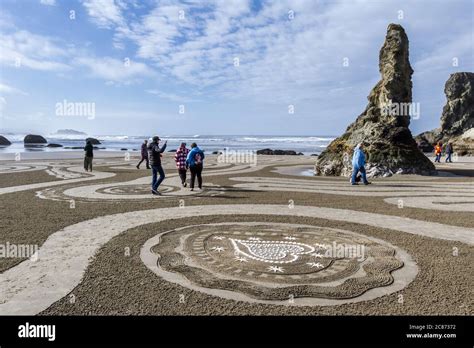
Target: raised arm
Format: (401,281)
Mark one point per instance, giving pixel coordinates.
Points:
(163,148)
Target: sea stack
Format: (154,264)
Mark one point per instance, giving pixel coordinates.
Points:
(457,119)
(383,126)
(34,139)
(4,141)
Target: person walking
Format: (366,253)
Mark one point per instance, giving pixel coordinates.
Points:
(154,155)
(195,161)
(358,165)
(180,158)
(89,155)
(449,152)
(144,153)
(438,150)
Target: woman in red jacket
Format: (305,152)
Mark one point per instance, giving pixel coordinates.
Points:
(180,159)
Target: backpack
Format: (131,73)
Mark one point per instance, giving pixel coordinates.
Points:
(197,158)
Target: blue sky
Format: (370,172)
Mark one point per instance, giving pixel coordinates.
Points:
(139,61)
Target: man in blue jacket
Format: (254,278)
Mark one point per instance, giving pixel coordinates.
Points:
(358,165)
(195,161)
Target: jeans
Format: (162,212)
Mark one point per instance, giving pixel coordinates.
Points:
(155,170)
(88,163)
(438,158)
(144,159)
(196,171)
(362,173)
(448,157)
(182,175)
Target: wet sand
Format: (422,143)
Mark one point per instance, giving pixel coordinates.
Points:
(114,283)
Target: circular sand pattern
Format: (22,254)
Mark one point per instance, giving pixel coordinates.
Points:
(140,189)
(66,254)
(137,190)
(448,196)
(276,262)
(448,203)
(10,168)
(131,190)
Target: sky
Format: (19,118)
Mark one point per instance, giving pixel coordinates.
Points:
(283,67)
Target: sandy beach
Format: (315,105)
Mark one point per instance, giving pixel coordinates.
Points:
(107,246)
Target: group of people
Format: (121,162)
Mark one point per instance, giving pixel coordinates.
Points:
(192,159)
(438,149)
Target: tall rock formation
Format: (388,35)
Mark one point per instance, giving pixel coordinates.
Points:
(383,126)
(457,119)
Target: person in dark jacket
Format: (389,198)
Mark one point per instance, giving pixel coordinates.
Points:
(195,161)
(144,152)
(180,159)
(449,151)
(89,155)
(154,156)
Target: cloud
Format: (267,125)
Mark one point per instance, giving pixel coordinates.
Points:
(48,2)
(254,53)
(280,57)
(105,13)
(114,70)
(170,96)
(6,89)
(25,49)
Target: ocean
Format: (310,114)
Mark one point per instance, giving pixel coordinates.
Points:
(209,143)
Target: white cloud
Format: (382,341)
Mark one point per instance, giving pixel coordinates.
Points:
(105,13)
(114,70)
(6,89)
(24,49)
(170,96)
(48,2)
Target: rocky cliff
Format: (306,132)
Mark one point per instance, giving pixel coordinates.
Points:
(457,119)
(383,126)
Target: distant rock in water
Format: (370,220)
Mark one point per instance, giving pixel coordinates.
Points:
(457,119)
(54,145)
(93,141)
(70,132)
(34,139)
(383,126)
(278,152)
(4,141)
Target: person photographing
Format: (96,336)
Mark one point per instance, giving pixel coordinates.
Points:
(154,156)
